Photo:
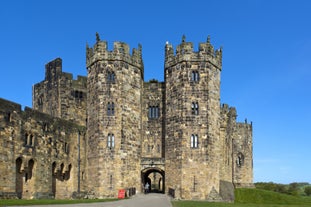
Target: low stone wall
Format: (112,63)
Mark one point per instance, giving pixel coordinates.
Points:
(8,195)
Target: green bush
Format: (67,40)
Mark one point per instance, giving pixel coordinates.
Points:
(307,190)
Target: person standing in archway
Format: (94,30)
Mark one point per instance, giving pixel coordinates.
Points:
(146,188)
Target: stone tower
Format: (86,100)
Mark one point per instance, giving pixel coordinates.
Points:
(59,95)
(115,82)
(192,147)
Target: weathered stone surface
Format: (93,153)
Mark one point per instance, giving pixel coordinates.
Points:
(90,137)
(39,153)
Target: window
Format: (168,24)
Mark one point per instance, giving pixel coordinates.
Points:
(110,141)
(9,117)
(111,77)
(66,148)
(194,141)
(78,95)
(195,108)
(240,159)
(40,100)
(110,109)
(194,184)
(26,139)
(29,140)
(195,76)
(110,181)
(153,112)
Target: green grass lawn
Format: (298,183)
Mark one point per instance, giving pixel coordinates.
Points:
(243,198)
(253,198)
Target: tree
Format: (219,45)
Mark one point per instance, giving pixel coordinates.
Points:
(308,190)
(293,189)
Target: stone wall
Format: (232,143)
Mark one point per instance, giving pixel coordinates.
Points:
(39,153)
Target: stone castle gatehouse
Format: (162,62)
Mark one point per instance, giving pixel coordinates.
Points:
(95,135)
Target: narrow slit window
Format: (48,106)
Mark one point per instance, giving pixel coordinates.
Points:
(194,142)
(110,141)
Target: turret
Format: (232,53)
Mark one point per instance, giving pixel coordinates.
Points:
(192,145)
(115,83)
(120,52)
(185,50)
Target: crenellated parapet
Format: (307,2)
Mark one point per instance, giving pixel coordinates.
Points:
(53,72)
(185,52)
(120,52)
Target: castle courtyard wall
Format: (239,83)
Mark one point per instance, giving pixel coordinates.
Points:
(34,143)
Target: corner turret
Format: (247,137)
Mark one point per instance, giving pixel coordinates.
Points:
(120,52)
(184,52)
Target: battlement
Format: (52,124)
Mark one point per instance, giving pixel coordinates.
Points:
(229,111)
(54,123)
(53,72)
(121,52)
(9,106)
(185,52)
(245,124)
(53,69)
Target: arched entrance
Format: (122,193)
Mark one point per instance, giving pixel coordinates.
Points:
(155,177)
(19,178)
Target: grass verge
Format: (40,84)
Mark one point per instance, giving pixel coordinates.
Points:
(253,198)
(19,202)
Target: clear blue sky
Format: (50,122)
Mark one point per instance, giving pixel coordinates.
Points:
(266,58)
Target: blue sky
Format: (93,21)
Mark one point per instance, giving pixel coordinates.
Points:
(266,58)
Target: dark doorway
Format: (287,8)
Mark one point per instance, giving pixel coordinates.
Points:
(155,177)
(54,179)
(19,178)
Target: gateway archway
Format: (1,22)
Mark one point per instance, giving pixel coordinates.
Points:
(155,177)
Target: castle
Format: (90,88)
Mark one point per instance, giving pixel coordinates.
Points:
(95,135)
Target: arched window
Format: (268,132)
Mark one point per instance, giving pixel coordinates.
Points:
(194,141)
